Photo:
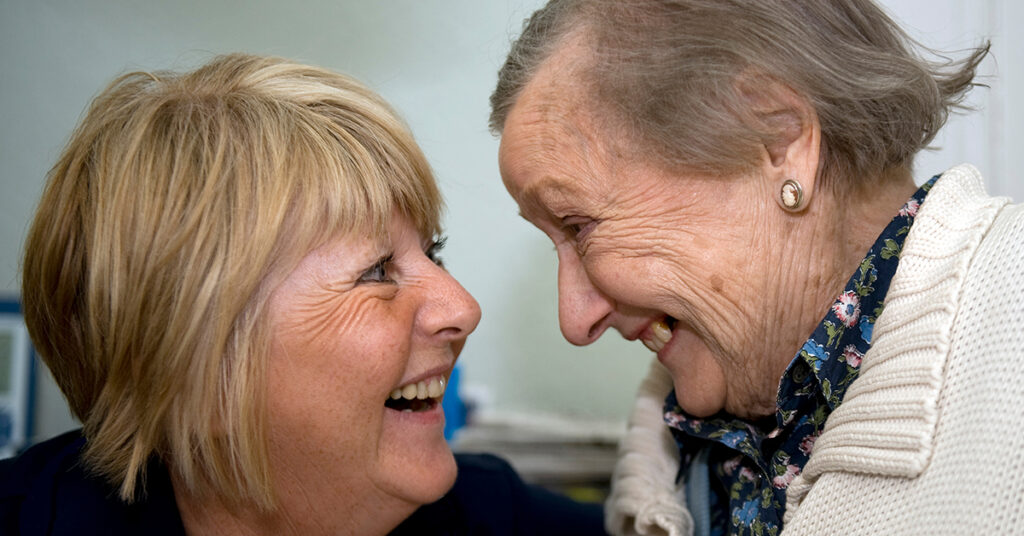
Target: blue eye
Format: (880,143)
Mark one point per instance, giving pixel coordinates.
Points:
(378,273)
(434,250)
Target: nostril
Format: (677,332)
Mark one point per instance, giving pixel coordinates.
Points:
(597,328)
(450,332)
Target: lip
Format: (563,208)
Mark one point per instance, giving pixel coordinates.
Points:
(642,330)
(444,370)
(669,347)
(663,353)
(636,334)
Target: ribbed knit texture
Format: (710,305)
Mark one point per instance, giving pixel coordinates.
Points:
(929,438)
(645,498)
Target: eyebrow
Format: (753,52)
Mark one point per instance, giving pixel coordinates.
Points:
(534,193)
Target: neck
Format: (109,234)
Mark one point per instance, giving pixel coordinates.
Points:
(864,212)
(822,247)
(298,512)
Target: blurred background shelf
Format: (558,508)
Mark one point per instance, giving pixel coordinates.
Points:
(566,455)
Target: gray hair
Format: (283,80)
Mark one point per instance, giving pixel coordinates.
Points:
(676,78)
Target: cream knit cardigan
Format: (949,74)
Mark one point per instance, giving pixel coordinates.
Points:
(930,438)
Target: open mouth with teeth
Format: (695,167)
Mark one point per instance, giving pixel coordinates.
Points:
(419,396)
(660,334)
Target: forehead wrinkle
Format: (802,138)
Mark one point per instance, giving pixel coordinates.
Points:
(559,130)
(562,154)
(565,161)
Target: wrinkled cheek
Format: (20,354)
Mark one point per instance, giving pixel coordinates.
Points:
(628,280)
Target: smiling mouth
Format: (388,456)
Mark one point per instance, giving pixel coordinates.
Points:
(419,396)
(659,334)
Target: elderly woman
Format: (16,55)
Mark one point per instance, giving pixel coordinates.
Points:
(729,182)
(233,276)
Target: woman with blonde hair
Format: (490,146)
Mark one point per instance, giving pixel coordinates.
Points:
(233,275)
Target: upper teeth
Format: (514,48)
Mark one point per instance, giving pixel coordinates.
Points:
(660,335)
(430,388)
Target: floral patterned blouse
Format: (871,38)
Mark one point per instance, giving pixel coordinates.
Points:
(751,464)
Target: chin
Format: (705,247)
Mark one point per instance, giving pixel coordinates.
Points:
(700,397)
(414,463)
(444,478)
(426,480)
(700,409)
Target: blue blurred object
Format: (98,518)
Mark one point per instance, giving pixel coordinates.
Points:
(17,379)
(453,406)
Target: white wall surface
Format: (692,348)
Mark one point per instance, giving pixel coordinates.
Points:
(436,62)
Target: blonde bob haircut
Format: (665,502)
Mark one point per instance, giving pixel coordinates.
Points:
(180,202)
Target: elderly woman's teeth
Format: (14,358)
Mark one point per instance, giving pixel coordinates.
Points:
(660,335)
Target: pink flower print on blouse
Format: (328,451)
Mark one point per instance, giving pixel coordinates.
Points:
(673,419)
(852,356)
(807,443)
(784,479)
(730,465)
(847,308)
(910,209)
(754,472)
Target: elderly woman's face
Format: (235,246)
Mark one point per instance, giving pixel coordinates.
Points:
(639,248)
(356,321)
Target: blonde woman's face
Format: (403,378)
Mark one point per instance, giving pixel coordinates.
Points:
(355,322)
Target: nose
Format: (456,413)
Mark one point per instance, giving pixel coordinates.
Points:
(450,313)
(583,310)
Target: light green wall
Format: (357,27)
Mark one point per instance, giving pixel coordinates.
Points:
(435,60)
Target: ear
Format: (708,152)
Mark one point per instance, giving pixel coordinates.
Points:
(792,140)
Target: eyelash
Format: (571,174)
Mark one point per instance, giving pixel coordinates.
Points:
(434,250)
(577,228)
(378,273)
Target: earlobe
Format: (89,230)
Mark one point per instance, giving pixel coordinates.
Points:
(793,152)
(791,142)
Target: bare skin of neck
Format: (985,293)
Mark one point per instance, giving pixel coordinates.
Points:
(826,244)
(298,513)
